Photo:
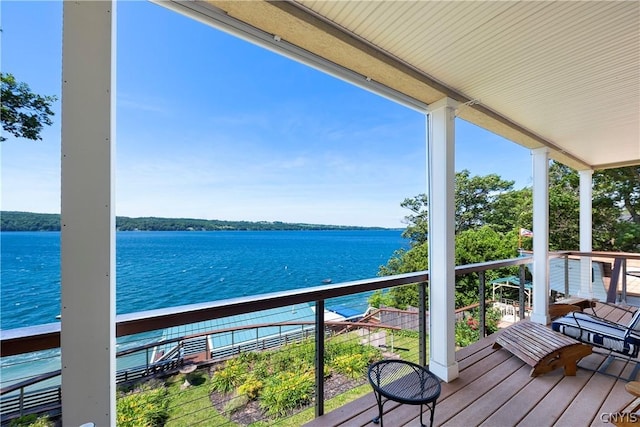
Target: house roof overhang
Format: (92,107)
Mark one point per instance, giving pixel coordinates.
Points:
(563,75)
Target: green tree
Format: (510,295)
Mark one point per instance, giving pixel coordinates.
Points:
(479,201)
(402,261)
(476,201)
(23,113)
(617,196)
(418,220)
(564,208)
(615,209)
(480,245)
(511,211)
(476,198)
(489,214)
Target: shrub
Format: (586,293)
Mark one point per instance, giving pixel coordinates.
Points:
(261,369)
(32,420)
(286,391)
(230,377)
(250,357)
(251,387)
(466,332)
(352,365)
(293,357)
(492,319)
(468,329)
(144,408)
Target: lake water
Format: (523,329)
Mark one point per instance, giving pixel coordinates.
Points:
(163,269)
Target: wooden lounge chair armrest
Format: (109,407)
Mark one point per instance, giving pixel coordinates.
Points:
(628,415)
(633,387)
(559,309)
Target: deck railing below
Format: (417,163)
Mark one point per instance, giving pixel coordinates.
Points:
(26,340)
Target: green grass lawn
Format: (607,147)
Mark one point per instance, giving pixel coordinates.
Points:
(192,405)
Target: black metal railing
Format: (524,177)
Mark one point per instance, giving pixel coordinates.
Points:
(26,340)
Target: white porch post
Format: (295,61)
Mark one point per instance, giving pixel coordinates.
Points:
(586,226)
(88,221)
(540,236)
(441,188)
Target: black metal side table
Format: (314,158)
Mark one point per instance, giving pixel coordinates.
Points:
(403,382)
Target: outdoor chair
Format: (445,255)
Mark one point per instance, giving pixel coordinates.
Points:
(628,415)
(590,329)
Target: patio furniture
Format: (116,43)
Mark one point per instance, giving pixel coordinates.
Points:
(583,303)
(404,382)
(596,331)
(541,348)
(567,305)
(628,415)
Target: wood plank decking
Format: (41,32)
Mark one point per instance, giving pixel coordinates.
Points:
(494,389)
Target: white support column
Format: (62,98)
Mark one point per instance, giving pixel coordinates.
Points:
(88,220)
(540,236)
(586,226)
(441,173)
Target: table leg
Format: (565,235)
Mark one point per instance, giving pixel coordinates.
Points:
(433,410)
(378,419)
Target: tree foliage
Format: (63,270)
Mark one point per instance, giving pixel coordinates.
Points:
(490,213)
(28,221)
(479,200)
(24,113)
(476,197)
(617,191)
(615,209)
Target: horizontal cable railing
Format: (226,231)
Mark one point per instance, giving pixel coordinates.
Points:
(387,338)
(397,334)
(612,276)
(42,337)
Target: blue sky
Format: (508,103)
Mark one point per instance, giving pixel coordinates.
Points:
(210,126)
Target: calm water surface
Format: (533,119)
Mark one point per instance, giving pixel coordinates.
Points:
(164,269)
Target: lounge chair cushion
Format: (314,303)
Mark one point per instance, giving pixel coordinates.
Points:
(634,324)
(599,332)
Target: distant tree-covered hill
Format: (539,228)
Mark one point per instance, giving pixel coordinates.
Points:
(28,221)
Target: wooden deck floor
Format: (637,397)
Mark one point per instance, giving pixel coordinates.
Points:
(494,389)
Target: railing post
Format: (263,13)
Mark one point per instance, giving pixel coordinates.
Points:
(623,296)
(207,348)
(483,306)
(319,358)
(521,292)
(21,401)
(566,276)
(422,323)
(612,294)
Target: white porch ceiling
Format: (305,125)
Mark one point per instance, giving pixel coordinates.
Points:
(561,74)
